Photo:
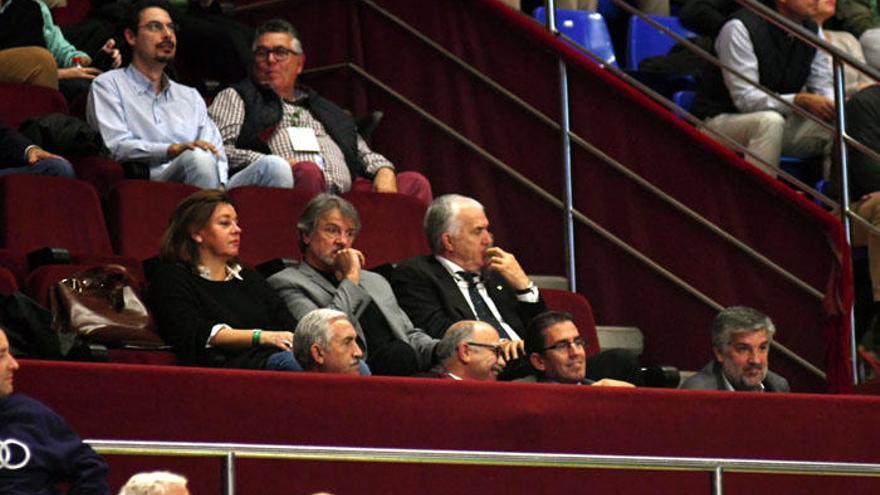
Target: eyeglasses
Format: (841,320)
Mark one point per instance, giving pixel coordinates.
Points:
(499,351)
(577,343)
(280,53)
(158,27)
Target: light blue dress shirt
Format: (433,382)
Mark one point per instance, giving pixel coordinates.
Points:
(138,124)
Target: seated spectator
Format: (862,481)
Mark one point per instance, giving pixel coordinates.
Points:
(861,18)
(211,309)
(155,483)
(39,450)
(794,70)
(469,350)
(325,341)
(18,155)
(557,352)
(75,67)
(145,117)
(331,275)
(23,54)
(855,80)
(741,339)
(269,115)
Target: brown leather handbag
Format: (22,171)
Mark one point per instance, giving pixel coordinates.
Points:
(101,306)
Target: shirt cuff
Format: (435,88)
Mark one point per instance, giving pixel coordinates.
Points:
(214,331)
(531,296)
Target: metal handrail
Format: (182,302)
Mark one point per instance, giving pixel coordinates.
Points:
(230,452)
(593,150)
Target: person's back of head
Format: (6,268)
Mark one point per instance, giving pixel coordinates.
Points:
(155,483)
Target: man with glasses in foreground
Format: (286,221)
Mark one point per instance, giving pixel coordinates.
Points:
(557,351)
(268,114)
(469,350)
(158,128)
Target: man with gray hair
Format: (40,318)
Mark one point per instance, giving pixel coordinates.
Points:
(326,342)
(470,350)
(466,277)
(741,339)
(155,483)
(331,275)
(268,114)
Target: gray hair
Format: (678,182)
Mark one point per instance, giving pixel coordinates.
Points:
(320,205)
(442,217)
(739,319)
(313,328)
(152,483)
(279,26)
(454,336)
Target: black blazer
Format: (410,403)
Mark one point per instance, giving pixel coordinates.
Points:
(12,146)
(433,301)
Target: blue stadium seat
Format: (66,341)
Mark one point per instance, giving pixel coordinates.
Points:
(684,99)
(586,28)
(644,40)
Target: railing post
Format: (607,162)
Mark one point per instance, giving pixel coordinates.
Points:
(229,473)
(840,99)
(717,481)
(568,216)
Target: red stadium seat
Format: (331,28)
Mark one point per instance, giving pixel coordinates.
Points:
(138,212)
(38,212)
(8,283)
(391,226)
(581,311)
(268,220)
(19,102)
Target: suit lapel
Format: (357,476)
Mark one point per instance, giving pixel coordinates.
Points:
(316,277)
(450,290)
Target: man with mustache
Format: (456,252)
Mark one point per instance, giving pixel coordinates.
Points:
(741,339)
(331,275)
(146,119)
(39,450)
(325,341)
(469,350)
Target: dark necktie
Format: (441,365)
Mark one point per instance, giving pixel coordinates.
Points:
(480,307)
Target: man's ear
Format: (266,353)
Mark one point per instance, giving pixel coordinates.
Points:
(719,355)
(129,36)
(537,361)
(446,241)
(464,353)
(317,354)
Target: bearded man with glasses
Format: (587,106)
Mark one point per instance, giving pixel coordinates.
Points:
(269,114)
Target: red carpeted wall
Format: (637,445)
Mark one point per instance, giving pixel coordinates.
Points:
(136,402)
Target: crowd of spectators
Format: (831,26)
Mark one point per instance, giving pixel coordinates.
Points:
(467,311)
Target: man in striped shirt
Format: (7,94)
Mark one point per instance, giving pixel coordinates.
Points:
(269,114)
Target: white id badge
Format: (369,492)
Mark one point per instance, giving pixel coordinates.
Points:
(304,139)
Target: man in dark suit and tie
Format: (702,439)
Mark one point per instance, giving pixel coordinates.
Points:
(466,277)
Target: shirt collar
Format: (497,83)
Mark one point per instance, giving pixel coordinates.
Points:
(232,271)
(143,82)
(453,268)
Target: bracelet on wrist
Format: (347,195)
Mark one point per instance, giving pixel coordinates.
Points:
(255,337)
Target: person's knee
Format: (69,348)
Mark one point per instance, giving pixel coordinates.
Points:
(58,167)
(200,168)
(769,121)
(277,171)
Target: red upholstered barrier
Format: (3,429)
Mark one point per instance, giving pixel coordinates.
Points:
(135,402)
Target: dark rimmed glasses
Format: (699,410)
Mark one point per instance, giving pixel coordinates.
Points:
(565,345)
